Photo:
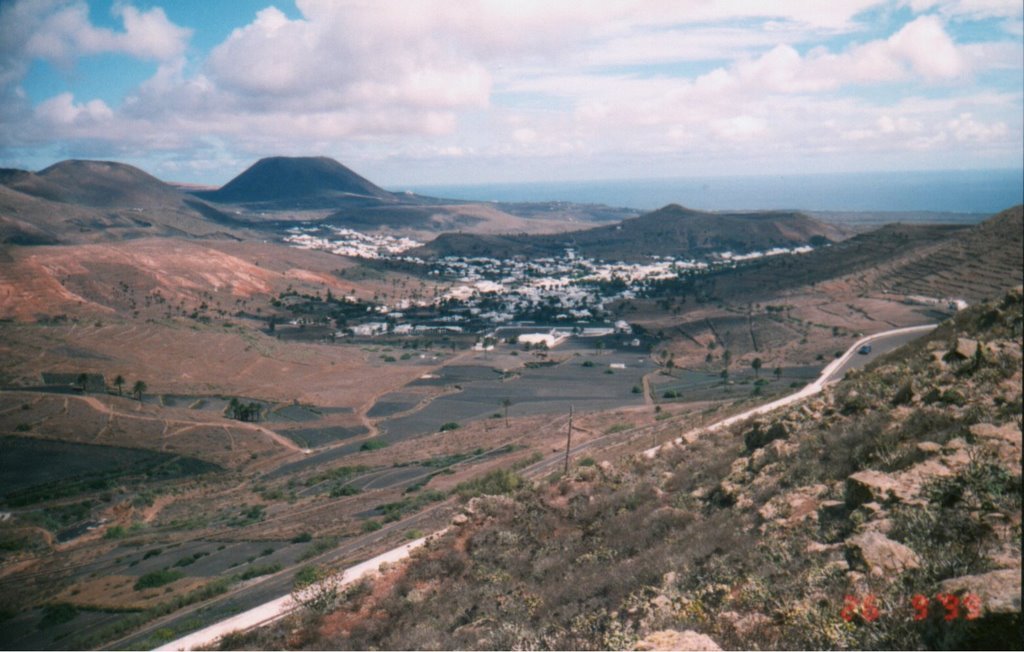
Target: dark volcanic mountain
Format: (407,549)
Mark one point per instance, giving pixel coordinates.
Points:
(669,231)
(306,182)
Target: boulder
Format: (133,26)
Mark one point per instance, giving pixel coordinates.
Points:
(999,590)
(670,639)
(929,447)
(870,486)
(830,511)
(964,349)
(745,624)
(1004,439)
(879,556)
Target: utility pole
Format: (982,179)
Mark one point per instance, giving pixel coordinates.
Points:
(568,442)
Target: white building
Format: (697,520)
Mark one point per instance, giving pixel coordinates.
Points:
(370,328)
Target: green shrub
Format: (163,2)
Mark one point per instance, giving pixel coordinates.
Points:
(57,614)
(373,444)
(157,579)
(497,482)
(371,526)
(259,571)
(115,532)
(306,576)
(302,537)
(451,425)
(344,490)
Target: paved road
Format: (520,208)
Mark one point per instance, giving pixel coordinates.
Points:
(267,612)
(881,343)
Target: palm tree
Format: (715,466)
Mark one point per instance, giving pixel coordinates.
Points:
(119,382)
(505,403)
(756,364)
(138,388)
(82,381)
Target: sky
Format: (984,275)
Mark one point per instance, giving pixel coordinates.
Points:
(482,91)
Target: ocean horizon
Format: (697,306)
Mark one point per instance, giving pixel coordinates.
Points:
(953,191)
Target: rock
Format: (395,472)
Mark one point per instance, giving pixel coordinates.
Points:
(1005,439)
(670,639)
(815,547)
(606,468)
(874,509)
(744,624)
(459,520)
(954,444)
(964,349)
(768,454)
(831,511)
(879,555)
(868,486)
(929,447)
(738,468)
(998,590)
(880,525)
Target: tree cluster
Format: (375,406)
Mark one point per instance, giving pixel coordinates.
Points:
(243,411)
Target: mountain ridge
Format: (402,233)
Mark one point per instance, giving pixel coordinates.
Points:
(672,230)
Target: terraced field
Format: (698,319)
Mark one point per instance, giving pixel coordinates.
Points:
(978,265)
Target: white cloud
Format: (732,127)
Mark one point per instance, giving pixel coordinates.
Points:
(929,50)
(500,83)
(63,110)
(970,9)
(67,33)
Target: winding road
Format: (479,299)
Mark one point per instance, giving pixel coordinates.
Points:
(268,612)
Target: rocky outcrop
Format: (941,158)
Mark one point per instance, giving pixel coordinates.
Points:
(999,591)
(878,555)
(670,639)
(1005,440)
(871,486)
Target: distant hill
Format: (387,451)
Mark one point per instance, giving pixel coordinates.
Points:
(99,184)
(669,231)
(307,182)
(933,260)
(90,201)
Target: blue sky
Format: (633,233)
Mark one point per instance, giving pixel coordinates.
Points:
(418,92)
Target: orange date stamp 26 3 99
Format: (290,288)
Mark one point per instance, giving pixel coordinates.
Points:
(867,609)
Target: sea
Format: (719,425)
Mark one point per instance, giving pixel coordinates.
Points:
(981,192)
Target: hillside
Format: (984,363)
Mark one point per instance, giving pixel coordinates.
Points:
(932,260)
(308,182)
(99,184)
(93,201)
(669,231)
(847,522)
(984,259)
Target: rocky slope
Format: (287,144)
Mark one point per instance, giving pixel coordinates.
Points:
(884,514)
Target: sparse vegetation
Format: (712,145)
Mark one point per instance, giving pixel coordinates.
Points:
(156,579)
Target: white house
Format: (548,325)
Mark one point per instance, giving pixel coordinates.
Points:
(370,328)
